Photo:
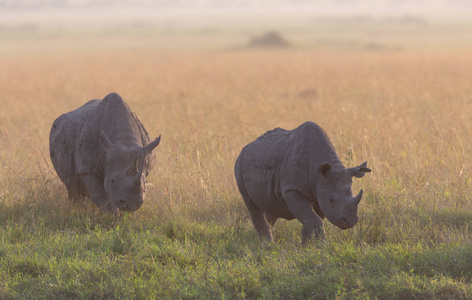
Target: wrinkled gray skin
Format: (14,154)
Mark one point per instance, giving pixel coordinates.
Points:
(102,151)
(297,174)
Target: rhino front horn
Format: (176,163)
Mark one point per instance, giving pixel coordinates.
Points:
(152,145)
(358,198)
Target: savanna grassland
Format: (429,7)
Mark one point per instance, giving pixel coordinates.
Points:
(406,109)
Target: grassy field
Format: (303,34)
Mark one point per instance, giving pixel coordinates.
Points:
(406,110)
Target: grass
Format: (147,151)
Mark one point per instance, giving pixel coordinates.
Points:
(406,112)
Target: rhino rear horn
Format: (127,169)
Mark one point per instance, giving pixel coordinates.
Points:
(152,145)
(360,170)
(107,144)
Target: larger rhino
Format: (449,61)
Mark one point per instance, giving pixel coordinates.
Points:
(297,174)
(102,151)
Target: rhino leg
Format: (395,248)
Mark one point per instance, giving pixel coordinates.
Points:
(97,193)
(302,209)
(261,225)
(75,189)
(271,219)
(74,196)
(258,219)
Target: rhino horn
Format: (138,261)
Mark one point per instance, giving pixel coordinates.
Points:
(107,144)
(147,150)
(358,198)
(152,145)
(140,173)
(136,165)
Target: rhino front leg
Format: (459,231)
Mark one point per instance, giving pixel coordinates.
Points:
(302,209)
(97,193)
(72,190)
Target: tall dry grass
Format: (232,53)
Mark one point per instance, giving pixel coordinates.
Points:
(408,113)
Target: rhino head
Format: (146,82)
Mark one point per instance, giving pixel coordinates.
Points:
(125,179)
(334,193)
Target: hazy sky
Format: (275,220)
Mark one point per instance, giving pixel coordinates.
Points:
(67,12)
(426,4)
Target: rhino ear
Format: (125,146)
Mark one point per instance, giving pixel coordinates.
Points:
(152,145)
(324,169)
(106,143)
(360,170)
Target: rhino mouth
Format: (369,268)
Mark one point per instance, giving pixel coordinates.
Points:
(126,206)
(345,223)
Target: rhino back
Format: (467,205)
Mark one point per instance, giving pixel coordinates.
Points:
(114,117)
(260,170)
(317,144)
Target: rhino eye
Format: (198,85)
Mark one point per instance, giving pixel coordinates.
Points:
(331,200)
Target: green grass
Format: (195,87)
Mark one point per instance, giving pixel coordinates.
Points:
(55,249)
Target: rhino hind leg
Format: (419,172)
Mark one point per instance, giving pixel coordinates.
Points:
(258,219)
(257,215)
(271,219)
(261,224)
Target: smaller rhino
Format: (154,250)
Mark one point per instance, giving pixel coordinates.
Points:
(297,174)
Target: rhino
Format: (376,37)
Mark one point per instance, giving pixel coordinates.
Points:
(297,174)
(102,151)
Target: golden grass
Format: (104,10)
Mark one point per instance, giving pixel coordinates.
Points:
(408,113)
